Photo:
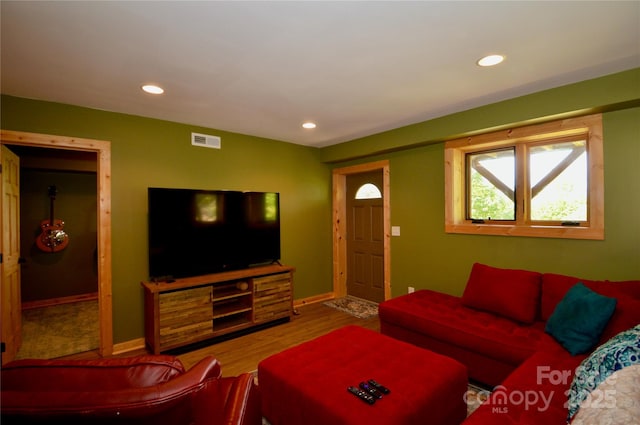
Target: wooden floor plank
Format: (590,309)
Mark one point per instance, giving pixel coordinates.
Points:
(243,354)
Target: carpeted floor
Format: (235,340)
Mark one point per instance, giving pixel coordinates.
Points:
(60,330)
(357,307)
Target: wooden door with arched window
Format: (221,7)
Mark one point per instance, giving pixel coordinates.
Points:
(365,236)
(340,258)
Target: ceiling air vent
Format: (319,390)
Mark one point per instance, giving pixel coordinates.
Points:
(205,140)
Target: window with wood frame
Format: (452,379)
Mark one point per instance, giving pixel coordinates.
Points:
(543,180)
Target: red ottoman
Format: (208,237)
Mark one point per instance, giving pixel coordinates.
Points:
(307,384)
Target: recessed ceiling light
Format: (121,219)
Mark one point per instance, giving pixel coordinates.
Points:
(490,60)
(153,89)
(309,125)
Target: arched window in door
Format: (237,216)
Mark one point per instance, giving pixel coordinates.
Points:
(368,191)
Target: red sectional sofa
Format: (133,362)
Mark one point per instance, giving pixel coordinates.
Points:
(497,329)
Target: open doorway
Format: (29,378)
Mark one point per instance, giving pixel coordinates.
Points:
(100,152)
(341,260)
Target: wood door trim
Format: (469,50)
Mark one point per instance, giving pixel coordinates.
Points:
(340,225)
(103,154)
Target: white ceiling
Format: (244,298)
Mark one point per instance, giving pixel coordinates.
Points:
(262,68)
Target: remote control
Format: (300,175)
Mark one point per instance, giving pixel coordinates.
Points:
(367,398)
(369,388)
(383,390)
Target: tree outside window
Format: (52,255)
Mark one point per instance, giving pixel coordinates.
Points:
(545,180)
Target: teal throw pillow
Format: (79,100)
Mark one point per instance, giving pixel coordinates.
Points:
(619,352)
(580,318)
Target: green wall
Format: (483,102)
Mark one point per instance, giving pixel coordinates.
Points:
(424,256)
(72,271)
(609,93)
(147,152)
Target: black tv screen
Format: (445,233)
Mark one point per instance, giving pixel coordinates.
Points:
(195,232)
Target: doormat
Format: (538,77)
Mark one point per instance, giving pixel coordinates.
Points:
(362,309)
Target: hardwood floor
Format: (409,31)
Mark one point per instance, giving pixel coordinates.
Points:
(243,354)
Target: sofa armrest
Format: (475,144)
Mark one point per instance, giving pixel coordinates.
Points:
(229,401)
(198,396)
(107,374)
(243,405)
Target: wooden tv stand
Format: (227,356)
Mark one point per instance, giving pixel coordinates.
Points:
(199,308)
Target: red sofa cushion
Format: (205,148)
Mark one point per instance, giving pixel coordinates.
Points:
(626,316)
(510,293)
(444,317)
(535,393)
(555,286)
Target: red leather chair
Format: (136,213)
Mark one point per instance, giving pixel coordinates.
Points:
(153,389)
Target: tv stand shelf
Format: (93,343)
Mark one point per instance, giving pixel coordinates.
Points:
(199,308)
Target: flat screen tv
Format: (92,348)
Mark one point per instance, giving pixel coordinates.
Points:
(196,232)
